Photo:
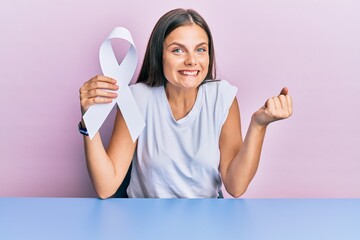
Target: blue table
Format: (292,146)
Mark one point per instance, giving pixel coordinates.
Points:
(76,218)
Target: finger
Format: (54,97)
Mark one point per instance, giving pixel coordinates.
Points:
(289,104)
(269,104)
(99,81)
(102,78)
(283,102)
(277,103)
(92,101)
(98,93)
(98,85)
(284,91)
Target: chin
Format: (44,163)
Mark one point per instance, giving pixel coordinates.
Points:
(191,84)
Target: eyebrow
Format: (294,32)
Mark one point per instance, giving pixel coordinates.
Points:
(183,46)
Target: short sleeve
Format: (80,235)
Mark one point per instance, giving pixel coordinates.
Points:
(226,96)
(220,95)
(141,93)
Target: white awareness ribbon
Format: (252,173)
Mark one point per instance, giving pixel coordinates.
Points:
(123,73)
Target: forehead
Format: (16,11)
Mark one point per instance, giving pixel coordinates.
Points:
(187,34)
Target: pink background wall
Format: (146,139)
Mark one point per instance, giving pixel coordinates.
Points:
(49,48)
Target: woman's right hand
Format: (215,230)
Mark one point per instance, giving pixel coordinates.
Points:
(96,91)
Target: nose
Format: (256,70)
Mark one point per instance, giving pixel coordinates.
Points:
(190,60)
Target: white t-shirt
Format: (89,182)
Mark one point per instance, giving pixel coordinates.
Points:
(179,158)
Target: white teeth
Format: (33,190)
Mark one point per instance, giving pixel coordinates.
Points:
(189,73)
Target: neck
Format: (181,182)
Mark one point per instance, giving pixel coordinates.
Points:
(181,101)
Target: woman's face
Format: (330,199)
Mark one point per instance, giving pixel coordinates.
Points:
(186,56)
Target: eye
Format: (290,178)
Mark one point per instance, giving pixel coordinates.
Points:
(200,50)
(177,50)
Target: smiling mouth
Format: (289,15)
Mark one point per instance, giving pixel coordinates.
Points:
(189,73)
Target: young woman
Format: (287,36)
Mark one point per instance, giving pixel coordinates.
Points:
(192,142)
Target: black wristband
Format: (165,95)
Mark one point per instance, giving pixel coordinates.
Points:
(82,130)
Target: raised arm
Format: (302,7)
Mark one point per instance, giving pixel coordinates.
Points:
(107,168)
(239,159)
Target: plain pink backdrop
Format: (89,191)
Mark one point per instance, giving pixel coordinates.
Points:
(49,48)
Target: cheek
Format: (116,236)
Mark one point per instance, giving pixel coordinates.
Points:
(171,64)
(205,63)
(168,68)
(166,64)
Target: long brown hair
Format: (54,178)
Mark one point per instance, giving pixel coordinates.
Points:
(151,72)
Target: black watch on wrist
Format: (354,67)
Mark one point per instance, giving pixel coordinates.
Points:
(82,130)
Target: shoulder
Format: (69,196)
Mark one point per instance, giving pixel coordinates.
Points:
(142,93)
(219,90)
(140,88)
(218,87)
(219,96)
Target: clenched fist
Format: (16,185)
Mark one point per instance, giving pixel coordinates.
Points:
(275,108)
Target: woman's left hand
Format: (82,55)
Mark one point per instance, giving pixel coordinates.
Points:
(275,108)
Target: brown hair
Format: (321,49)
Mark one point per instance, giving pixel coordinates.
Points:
(151,72)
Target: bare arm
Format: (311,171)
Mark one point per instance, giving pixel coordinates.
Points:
(107,168)
(240,159)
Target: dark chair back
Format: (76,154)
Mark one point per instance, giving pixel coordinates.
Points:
(121,192)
